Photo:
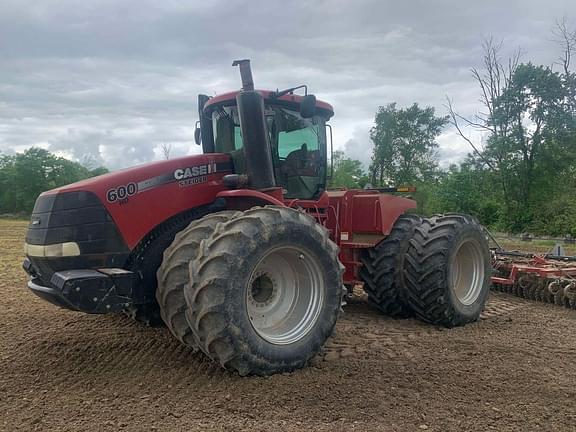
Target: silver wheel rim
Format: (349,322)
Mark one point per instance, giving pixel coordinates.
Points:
(468,270)
(285,295)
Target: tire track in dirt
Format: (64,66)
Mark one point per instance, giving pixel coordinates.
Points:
(148,367)
(362,331)
(117,346)
(499,305)
(105,356)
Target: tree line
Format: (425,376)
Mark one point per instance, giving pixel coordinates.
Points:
(26,175)
(520,178)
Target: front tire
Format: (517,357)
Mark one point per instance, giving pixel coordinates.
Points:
(447,270)
(173,274)
(265,291)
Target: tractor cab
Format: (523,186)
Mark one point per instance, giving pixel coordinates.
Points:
(295,129)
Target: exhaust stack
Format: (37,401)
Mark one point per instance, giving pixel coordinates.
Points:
(256,143)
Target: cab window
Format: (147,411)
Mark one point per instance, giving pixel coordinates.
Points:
(226,128)
(299,158)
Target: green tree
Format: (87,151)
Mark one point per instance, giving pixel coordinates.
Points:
(405,147)
(24,176)
(540,128)
(529,118)
(98,171)
(467,188)
(7,197)
(348,173)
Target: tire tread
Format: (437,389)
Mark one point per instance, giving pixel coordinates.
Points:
(173,274)
(208,310)
(382,270)
(426,269)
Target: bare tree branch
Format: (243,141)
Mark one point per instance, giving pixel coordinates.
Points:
(567,40)
(481,126)
(454,121)
(166,149)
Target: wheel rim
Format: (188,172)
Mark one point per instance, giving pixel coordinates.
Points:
(285,295)
(468,270)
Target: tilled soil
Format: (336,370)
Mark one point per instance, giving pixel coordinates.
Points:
(60,370)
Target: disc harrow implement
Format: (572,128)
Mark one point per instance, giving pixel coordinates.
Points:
(543,278)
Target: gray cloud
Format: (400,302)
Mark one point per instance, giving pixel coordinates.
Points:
(112,80)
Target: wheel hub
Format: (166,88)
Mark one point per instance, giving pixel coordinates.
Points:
(468,269)
(263,291)
(284,295)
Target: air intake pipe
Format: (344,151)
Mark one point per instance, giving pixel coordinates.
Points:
(256,142)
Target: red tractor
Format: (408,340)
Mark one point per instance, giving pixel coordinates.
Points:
(241,250)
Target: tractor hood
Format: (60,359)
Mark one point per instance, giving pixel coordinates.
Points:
(140,198)
(140,173)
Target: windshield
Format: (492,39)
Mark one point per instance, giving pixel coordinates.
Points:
(298,150)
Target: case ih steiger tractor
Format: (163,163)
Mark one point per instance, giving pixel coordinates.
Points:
(241,250)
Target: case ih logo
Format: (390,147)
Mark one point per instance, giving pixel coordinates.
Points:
(195,171)
(188,176)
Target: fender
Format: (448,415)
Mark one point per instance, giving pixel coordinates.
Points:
(366,214)
(242,199)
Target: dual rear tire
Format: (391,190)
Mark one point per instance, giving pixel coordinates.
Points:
(174,274)
(383,269)
(436,269)
(258,291)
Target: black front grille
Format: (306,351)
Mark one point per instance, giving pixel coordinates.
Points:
(74,217)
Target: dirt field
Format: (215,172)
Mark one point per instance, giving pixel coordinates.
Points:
(59,370)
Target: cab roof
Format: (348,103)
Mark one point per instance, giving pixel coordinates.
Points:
(290,100)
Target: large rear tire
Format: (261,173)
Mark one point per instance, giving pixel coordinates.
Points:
(265,292)
(382,270)
(173,274)
(447,270)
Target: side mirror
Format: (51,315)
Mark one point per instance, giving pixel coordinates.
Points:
(198,134)
(308,106)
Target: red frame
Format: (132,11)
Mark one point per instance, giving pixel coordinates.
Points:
(540,266)
(356,219)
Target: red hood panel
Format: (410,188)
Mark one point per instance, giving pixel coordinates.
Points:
(140,198)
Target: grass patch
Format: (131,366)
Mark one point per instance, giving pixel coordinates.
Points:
(534,246)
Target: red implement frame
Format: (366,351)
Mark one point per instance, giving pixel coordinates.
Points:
(537,265)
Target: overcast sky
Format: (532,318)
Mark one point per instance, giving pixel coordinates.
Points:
(110,81)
